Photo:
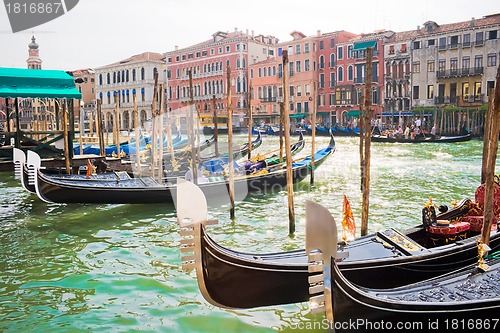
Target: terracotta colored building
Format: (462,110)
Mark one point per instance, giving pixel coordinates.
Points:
(208,62)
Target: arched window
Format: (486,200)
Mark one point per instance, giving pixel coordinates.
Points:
(238,85)
(332,60)
(321,62)
(340,74)
(143,74)
(100,80)
(118,78)
(114,77)
(127,75)
(133,74)
(123,75)
(350,73)
(108,78)
(243,62)
(155,71)
(238,63)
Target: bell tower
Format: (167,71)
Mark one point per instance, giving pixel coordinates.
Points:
(34,61)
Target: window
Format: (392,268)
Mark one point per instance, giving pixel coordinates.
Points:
(416,92)
(416,45)
(431,42)
(442,43)
(416,67)
(321,62)
(297,49)
(454,42)
(307,66)
(306,48)
(290,67)
(340,74)
(430,91)
(479,38)
(321,83)
(350,73)
(292,90)
(391,49)
(453,65)
(492,34)
(340,52)
(442,65)
(465,90)
(321,46)
(491,61)
(299,90)
(290,50)
(349,51)
(466,40)
(228,48)
(431,67)
(478,61)
(143,73)
(332,43)
(298,69)
(332,60)
(332,79)
(477,89)
(465,63)
(403,48)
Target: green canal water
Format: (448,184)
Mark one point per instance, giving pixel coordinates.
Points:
(117,268)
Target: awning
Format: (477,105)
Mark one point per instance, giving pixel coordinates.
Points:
(21,82)
(396,114)
(352,113)
(299,115)
(364,45)
(323,113)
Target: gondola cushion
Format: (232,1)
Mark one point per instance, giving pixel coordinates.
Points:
(452,229)
(476,223)
(479,197)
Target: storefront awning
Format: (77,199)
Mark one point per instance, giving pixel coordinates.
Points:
(21,82)
(352,113)
(323,114)
(364,45)
(299,115)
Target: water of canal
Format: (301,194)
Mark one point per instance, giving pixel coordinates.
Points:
(116,268)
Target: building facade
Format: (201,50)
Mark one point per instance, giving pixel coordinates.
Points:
(208,62)
(117,83)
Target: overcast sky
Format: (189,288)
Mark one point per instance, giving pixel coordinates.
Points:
(99,32)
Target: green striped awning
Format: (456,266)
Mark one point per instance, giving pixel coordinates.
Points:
(42,83)
(352,113)
(364,45)
(299,115)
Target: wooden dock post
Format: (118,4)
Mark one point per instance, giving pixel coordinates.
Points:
(216,130)
(190,122)
(250,121)
(313,136)
(230,144)
(366,141)
(288,154)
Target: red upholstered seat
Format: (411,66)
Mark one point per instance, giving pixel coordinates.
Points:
(455,228)
(479,197)
(476,223)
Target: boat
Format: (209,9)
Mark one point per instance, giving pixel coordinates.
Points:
(256,163)
(387,258)
(149,190)
(466,299)
(422,139)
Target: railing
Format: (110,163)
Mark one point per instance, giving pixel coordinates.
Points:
(267,99)
(460,72)
(445,100)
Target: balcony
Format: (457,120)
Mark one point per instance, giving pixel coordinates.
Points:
(440,100)
(268,99)
(459,72)
(471,100)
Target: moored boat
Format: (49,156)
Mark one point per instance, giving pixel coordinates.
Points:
(465,299)
(388,258)
(422,139)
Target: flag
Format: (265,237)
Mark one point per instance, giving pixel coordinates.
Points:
(89,169)
(348,225)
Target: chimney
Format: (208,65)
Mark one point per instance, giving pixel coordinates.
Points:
(176,48)
(235,29)
(418,28)
(252,33)
(318,33)
(472,22)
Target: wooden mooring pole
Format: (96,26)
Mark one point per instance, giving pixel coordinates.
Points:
(230,144)
(288,153)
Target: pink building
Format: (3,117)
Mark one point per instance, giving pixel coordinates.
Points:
(208,62)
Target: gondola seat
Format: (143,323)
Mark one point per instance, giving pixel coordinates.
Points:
(475,214)
(445,231)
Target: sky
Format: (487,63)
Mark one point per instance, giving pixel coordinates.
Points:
(100,32)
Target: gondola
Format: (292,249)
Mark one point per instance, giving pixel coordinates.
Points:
(148,190)
(463,300)
(422,139)
(256,163)
(388,258)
